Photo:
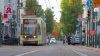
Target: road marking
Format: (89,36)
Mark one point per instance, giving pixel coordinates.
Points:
(22,54)
(79,53)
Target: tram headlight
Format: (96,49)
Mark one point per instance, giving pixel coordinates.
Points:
(25,36)
(34,36)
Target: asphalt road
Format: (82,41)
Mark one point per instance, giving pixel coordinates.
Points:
(48,50)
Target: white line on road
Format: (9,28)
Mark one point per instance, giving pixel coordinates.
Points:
(22,54)
(79,53)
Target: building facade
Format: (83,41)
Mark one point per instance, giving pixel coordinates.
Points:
(10,17)
(98,19)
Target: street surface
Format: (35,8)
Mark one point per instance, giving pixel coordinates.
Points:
(48,50)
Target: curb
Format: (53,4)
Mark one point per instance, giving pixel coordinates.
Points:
(91,48)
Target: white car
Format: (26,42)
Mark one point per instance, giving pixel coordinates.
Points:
(53,40)
(75,40)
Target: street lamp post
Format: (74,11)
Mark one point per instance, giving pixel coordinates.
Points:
(1,28)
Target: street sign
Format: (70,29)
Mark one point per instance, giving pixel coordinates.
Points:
(8,10)
(89,3)
(92,32)
(93,21)
(6,13)
(5,16)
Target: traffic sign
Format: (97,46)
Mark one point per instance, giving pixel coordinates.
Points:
(92,32)
(89,3)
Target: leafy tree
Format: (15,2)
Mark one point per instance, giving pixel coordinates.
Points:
(32,7)
(49,20)
(70,11)
(56,29)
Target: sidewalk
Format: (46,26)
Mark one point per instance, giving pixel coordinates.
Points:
(91,48)
(2,46)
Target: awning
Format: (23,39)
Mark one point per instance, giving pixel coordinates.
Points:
(96,3)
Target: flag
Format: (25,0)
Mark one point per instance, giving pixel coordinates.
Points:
(5,16)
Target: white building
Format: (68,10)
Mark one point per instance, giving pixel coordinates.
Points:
(98,18)
(2,6)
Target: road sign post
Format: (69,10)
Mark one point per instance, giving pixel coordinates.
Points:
(89,4)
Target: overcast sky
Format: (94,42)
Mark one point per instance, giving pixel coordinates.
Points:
(54,5)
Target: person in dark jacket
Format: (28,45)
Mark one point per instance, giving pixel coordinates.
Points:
(69,40)
(63,41)
(6,37)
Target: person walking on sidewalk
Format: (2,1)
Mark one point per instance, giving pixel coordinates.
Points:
(69,40)
(64,40)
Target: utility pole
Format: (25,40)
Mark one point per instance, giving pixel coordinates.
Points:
(18,26)
(1,25)
(89,3)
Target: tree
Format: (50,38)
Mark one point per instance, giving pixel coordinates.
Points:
(32,7)
(70,11)
(49,20)
(56,29)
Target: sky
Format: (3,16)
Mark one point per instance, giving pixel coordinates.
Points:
(54,5)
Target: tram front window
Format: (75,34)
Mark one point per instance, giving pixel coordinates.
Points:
(28,31)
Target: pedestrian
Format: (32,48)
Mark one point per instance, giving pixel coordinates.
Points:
(63,41)
(69,40)
(1,41)
(6,37)
(18,41)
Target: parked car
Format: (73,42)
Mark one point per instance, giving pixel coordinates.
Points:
(75,40)
(53,40)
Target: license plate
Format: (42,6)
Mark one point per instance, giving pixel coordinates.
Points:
(31,39)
